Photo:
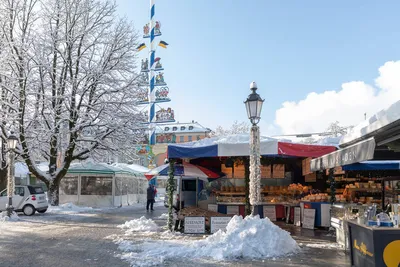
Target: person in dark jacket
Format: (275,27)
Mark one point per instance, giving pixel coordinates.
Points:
(151,193)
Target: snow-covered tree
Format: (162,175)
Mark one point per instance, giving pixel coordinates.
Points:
(68,82)
(236,128)
(336,130)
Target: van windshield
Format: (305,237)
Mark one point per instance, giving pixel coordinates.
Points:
(189,185)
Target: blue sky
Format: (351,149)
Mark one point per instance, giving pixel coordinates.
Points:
(290,48)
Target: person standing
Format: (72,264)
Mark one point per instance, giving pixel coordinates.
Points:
(151,193)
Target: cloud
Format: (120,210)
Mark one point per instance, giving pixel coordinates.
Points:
(348,105)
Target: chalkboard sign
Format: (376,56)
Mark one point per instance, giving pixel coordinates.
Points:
(270,212)
(219,223)
(309,218)
(195,225)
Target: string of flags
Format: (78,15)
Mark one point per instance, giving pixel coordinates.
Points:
(143,45)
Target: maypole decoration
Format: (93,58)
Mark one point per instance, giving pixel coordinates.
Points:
(154,89)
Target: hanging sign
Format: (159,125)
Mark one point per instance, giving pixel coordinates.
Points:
(309,219)
(232,210)
(270,213)
(297,220)
(195,225)
(218,223)
(361,151)
(213,207)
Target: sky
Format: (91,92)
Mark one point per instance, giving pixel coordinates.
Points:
(315,62)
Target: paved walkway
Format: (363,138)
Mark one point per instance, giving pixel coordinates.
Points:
(50,240)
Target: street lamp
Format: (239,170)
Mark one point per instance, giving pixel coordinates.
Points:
(253,106)
(12,143)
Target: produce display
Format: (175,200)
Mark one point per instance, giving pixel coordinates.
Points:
(320,197)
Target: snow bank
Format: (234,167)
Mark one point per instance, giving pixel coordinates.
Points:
(68,208)
(163,216)
(249,238)
(140,225)
(5,218)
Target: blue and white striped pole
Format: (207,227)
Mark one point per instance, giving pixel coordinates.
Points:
(152,137)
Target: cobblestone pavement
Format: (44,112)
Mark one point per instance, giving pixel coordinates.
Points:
(49,240)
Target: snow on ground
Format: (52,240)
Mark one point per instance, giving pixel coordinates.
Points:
(68,208)
(5,218)
(140,225)
(163,216)
(243,239)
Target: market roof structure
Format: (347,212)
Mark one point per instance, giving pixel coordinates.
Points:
(238,145)
(373,165)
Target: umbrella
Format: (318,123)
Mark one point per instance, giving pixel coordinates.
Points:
(157,59)
(185,169)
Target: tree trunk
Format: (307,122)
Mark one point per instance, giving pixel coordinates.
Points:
(54,192)
(247,186)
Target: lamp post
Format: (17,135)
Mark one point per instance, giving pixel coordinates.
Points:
(12,143)
(253,106)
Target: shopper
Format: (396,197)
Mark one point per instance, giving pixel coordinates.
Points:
(151,193)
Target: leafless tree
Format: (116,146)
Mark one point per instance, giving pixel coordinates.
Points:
(68,82)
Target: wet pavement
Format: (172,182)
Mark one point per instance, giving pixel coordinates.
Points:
(49,240)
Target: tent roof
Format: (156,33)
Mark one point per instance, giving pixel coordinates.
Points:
(238,145)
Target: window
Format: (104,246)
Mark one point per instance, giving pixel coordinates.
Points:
(190,138)
(174,128)
(181,139)
(4,193)
(69,186)
(166,129)
(36,190)
(19,191)
(96,185)
(183,128)
(190,128)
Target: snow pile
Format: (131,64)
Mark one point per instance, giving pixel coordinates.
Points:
(68,208)
(140,225)
(163,216)
(249,238)
(5,218)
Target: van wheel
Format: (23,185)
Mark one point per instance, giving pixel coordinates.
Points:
(29,210)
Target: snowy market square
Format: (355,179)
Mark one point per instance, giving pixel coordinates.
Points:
(199,133)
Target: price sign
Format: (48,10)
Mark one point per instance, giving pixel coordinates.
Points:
(219,223)
(270,212)
(213,207)
(195,225)
(232,210)
(297,220)
(309,218)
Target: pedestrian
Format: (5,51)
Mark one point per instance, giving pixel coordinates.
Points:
(151,193)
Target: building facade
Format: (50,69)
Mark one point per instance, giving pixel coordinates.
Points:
(181,132)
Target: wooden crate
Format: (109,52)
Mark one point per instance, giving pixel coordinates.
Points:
(278,171)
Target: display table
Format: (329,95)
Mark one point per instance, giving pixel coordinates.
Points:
(322,212)
(374,246)
(239,209)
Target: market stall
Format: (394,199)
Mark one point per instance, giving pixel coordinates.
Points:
(281,166)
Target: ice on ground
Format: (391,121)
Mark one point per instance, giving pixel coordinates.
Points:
(4,217)
(324,245)
(68,208)
(249,238)
(140,225)
(163,216)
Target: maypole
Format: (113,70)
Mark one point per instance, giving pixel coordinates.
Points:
(154,89)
